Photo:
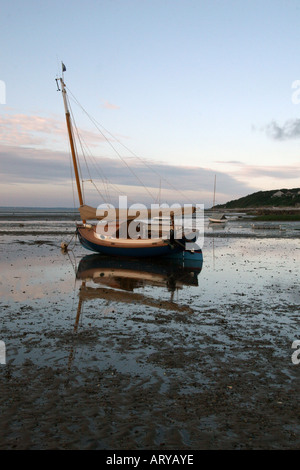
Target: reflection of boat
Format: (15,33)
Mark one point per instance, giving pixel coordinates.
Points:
(122,281)
(128,274)
(217,218)
(120,278)
(121,235)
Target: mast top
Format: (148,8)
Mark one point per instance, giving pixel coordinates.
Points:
(63,69)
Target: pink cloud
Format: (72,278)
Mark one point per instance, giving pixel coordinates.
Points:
(108,105)
(272,171)
(26,130)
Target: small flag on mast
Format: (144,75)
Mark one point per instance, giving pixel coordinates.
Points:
(63,67)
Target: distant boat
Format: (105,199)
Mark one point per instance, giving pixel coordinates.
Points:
(216,218)
(113,239)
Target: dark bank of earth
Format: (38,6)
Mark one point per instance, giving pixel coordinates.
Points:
(288,199)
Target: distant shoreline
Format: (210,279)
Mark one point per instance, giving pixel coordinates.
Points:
(38,213)
(260,208)
(283,214)
(62,213)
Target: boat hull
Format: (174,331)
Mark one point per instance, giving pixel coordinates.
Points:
(137,249)
(217,221)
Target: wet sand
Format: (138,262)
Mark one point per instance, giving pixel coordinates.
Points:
(207,365)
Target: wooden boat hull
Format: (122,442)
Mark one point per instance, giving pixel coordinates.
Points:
(128,247)
(217,221)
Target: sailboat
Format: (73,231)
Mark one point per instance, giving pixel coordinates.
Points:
(216,218)
(111,237)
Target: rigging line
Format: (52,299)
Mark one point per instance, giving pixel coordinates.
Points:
(104,182)
(103,192)
(152,169)
(126,164)
(102,175)
(74,124)
(87,167)
(95,186)
(97,189)
(82,144)
(85,149)
(108,141)
(72,179)
(128,149)
(146,164)
(107,184)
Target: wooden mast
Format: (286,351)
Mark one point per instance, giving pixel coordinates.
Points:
(70,133)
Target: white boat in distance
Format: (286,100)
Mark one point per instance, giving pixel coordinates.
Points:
(217,218)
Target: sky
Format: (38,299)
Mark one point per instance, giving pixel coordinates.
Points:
(192,88)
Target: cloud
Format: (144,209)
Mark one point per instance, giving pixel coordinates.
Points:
(108,105)
(279,172)
(38,131)
(35,167)
(32,165)
(267,177)
(230,162)
(34,160)
(289,130)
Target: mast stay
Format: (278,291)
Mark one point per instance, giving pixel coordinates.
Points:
(75,156)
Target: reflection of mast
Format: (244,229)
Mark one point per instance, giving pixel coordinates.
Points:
(213,252)
(125,297)
(78,313)
(78,309)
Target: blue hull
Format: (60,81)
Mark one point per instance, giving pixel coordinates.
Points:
(165,250)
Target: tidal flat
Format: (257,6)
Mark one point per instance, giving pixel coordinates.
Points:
(150,356)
